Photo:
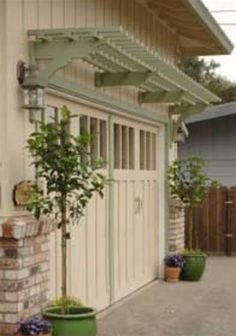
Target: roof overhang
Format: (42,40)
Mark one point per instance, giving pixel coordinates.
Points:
(214,112)
(119,60)
(198,31)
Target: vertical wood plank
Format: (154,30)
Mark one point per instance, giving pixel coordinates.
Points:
(58,13)
(44,13)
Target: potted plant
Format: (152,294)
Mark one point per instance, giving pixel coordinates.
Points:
(174,262)
(189,183)
(71,178)
(37,326)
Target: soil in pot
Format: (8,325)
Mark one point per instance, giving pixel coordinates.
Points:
(194,267)
(172,274)
(78,322)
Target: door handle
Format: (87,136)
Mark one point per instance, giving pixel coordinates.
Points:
(138,204)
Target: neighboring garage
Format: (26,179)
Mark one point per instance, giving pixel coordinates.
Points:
(212,136)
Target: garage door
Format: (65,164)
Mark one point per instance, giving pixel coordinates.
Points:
(105,268)
(135,206)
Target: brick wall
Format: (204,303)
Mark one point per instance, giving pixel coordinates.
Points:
(24,269)
(177,226)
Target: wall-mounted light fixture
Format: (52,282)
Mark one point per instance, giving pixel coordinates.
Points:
(181,133)
(33,89)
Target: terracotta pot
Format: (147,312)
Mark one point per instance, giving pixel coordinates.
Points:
(172,274)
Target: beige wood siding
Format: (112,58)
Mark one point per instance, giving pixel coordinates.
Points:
(89,244)
(22,15)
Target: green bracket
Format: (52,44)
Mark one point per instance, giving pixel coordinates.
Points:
(121,78)
(60,53)
(161,97)
(187,109)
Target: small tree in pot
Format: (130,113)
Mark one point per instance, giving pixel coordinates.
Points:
(62,161)
(189,183)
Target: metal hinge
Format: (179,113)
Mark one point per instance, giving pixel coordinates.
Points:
(229,202)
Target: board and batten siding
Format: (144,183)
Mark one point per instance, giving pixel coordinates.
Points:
(90,279)
(215,141)
(18,16)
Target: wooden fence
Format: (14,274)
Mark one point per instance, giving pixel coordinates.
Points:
(214,222)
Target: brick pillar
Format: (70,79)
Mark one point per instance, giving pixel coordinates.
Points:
(24,269)
(177,226)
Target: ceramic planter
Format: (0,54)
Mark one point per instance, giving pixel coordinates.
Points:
(78,322)
(172,273)
(194,266)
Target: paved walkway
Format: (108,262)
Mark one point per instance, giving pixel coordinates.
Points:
(205,308)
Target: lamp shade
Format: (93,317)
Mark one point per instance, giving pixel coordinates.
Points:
(33,90)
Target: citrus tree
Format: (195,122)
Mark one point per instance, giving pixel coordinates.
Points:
(71,178)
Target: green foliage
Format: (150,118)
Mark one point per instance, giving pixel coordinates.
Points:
(205,73)
(66,302)
(188,182)
(63,162)
(189,252)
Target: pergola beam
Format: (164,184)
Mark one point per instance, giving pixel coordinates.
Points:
(121,78)
(187,109)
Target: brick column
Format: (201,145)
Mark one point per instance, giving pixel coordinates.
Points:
(24,269)
(177,226)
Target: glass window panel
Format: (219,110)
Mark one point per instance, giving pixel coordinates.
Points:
(148,154)
(125,147)
(117,146)
(131,148)
(94,139)
(142,149)
(103,140)
(154,151)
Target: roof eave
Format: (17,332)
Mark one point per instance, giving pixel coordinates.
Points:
(201,11)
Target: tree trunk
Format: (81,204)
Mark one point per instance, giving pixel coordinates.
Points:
(190,229)
(64,255)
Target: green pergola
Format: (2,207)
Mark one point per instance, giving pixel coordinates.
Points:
(119,60)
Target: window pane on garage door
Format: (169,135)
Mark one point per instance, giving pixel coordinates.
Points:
(124,147)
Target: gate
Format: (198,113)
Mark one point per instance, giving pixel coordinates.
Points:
(214,222)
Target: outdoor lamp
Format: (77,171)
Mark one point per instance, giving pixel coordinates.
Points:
(181,133)
(33,89)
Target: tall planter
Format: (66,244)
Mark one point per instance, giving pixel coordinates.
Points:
(76,322)
(194,266)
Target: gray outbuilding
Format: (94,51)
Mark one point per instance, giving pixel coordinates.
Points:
(212,136)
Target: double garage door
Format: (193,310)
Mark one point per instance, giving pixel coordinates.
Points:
(114,249)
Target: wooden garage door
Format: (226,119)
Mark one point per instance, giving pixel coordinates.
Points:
(97,276)
(135,206)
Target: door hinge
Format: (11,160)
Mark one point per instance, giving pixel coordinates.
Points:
(229,202)
(228,235)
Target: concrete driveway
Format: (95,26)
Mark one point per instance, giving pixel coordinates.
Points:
(205,308)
